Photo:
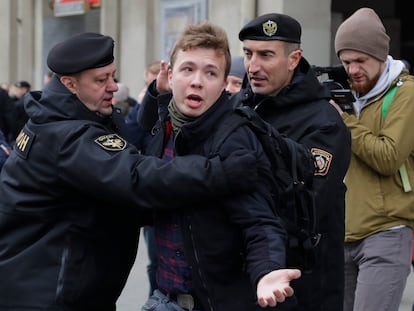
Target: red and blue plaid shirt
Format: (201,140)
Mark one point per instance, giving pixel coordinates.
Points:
(173,272)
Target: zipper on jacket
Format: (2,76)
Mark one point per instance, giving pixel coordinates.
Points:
(198,262)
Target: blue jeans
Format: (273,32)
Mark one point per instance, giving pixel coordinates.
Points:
(376,270)
(160,302)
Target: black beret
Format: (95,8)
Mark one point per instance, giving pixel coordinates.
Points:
(80,52)
(272,26)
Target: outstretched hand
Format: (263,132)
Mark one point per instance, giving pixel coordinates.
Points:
(274,287)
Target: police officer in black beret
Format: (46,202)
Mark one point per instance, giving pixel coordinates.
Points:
(73,191)
(285,92)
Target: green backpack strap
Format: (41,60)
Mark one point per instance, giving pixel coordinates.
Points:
(388,98)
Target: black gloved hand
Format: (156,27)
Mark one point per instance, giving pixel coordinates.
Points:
(241,169)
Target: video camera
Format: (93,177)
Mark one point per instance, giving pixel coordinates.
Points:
(337,83)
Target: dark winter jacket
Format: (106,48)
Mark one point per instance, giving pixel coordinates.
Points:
(4,150)
(6,115)
(229,243)
(301,111)
(72,196)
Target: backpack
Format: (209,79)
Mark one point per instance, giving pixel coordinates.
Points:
(293,169)
(388,98)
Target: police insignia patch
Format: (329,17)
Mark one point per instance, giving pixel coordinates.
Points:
(24,142)
(323,161)
(111,142)
(269,28)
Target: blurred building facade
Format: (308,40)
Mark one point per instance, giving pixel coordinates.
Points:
(144,30)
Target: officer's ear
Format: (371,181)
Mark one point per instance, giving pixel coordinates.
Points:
(294,58)
(69,82)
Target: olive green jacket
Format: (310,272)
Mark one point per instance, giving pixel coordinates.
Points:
(375,199)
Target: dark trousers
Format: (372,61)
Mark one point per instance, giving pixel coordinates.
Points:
(152,257)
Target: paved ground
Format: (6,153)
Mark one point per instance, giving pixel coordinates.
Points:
(136,290)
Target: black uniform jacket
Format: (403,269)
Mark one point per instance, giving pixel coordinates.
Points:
(301,111)
(229,243)
(72,195)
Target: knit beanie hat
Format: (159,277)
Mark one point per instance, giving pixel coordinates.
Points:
(363,31)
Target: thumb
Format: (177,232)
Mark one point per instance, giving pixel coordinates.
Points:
(294,274)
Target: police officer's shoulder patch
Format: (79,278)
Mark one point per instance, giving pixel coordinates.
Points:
(24,142)
(111,142)
(323,161)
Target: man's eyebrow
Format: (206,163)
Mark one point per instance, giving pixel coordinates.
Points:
(259,50)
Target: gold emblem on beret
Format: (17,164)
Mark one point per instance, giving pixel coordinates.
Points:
(111,142)
(269,28)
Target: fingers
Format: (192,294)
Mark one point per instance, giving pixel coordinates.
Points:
(164,66)
(268,302)
(289,291)
(273,300)
(279,296)
(274,287)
